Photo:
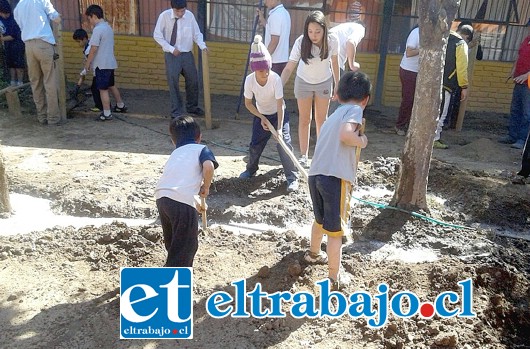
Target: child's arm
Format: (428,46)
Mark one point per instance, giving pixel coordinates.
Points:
(207,176)
(90,57)
(287,71)
(349,135)
(252,108)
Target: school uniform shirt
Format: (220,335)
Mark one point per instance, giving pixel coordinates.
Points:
(317,70)
(266,96)
(103,38)
(33,18)
(332,157)
(346,32)
(279,24)
(182,177)
(187,32)
(413,41)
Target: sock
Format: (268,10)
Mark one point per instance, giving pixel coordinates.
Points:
(106,112)
(121,105)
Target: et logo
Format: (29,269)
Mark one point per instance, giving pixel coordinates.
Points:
(156,303)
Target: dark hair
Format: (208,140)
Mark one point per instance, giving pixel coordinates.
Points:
(5,7)
(465,22)
(467,30)
(178,4)
(354,86)
(305,51)
(184,129)
(80,34)
(95,10)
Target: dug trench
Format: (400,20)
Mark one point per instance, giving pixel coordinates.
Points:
(60,286)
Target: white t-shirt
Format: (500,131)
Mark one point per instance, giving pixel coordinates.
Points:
(182,176)
(347,32)
(317,70)
(103,38)
(266,96)
(413,41)
(279,24)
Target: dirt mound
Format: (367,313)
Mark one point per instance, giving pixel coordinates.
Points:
(481,149)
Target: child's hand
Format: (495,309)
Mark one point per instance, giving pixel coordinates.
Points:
(365,141)
(199,205)
(205,191)
(264,125)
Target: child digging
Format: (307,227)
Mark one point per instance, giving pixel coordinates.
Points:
(266,87)
(187,173)
(333,172)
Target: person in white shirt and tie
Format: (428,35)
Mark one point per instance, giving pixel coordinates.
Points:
(175,31)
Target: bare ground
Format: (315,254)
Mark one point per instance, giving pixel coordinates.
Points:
(59,288)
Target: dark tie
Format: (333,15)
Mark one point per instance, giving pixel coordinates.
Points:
(174,34)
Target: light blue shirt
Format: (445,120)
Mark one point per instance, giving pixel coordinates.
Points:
(33,18)
(332,157)
(103,38)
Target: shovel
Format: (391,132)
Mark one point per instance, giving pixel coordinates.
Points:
(286,148)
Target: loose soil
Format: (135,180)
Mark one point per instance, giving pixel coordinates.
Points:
(59,288)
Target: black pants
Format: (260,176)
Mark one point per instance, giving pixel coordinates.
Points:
(95,95)
(525,162)
(180,225)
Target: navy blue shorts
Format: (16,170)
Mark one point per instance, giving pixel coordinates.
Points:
(331,203)
(104,78)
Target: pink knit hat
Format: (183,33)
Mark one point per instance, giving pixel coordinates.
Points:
(260,58)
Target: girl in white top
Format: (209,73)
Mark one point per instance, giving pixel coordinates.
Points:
(315,53)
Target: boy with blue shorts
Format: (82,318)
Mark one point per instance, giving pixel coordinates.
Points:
(333,171)
(101,58)
(188,172)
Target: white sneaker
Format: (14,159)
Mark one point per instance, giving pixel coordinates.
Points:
(320,258)
(304,161)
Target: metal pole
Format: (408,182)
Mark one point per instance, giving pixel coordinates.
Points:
(383,50)
(248,60)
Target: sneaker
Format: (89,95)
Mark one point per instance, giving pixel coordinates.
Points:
(304,161)
(102,117)
(197,111)
(117,109)
(342,280)
(292,186)
(506,140)
(439,145)
(319,258)
(518,179)
(518,145)
(400,132)
(246,174)
(95,110)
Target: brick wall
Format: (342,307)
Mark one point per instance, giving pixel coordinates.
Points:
(488,91)
(141,65)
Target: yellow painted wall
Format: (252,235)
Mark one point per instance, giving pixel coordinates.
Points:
(141,65)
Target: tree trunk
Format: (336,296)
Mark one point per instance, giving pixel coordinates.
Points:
(435,17)
(5,204)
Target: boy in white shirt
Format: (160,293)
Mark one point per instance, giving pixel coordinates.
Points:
(188,172)
(266,86)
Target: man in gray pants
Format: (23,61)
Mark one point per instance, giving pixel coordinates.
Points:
(175,31)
